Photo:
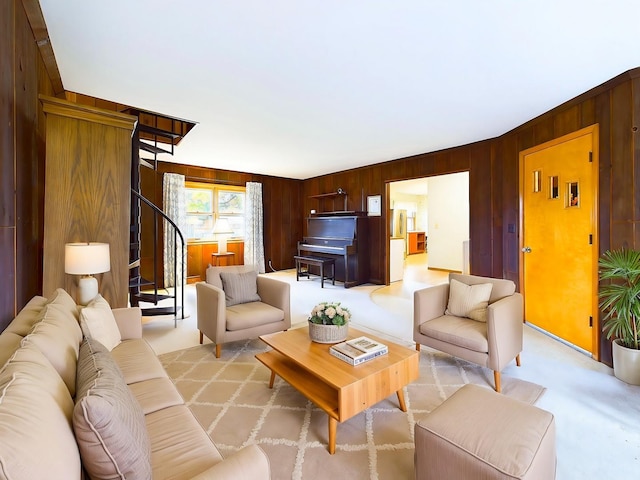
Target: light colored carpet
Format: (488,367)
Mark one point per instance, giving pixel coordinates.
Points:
(231,399)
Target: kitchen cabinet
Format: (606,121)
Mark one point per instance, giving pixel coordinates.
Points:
(417,242)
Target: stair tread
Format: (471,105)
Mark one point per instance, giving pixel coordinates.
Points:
(158,131)
(139,281)
(152,297)
(152,148)
(150,312)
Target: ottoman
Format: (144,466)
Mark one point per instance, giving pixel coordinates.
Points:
(480,434)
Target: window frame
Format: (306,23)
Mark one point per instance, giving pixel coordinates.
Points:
(215,189)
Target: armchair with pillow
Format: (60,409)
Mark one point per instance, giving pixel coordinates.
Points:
(235,303)
(478,319)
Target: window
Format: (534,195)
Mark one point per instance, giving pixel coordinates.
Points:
(208,202)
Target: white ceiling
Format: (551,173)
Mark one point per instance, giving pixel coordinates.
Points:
(300,88)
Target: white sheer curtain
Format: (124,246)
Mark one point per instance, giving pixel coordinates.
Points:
(174,205)
(253,231)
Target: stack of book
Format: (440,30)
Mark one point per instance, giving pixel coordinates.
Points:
(358,350)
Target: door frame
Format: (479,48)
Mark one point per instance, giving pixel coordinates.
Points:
(592,130)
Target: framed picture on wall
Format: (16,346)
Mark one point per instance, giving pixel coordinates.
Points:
(374,208)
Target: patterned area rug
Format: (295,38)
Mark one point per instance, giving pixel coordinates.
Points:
(231,399)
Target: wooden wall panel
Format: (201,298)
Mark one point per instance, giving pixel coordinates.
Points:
(87,195)
(621,162)
(7,165)
(7,112)
(7,267)
(22,77)
(29,165)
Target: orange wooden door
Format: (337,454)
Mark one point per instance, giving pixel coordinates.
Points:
(559,237)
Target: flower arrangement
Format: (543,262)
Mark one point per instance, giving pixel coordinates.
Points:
(330,313)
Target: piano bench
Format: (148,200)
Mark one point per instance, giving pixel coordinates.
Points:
(322,262)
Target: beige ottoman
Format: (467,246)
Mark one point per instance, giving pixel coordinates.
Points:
(480,434)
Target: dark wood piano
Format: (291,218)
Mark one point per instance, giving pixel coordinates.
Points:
(344,238)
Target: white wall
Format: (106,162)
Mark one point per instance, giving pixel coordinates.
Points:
(448,220)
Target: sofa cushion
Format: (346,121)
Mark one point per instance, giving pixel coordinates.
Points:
(35,420)
(23,323)
(468,300)
(108,421)
(98,322)
(247,315)
(176,434)
(137,361)
(58,337)
(240,287)
(9,343)
(155,394)
(463,332)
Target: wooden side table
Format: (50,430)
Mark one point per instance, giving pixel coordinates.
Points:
(217,257)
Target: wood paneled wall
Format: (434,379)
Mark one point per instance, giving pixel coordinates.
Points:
(281,198)
(87,194)
(23,76)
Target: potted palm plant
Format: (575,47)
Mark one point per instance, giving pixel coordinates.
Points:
(620,303)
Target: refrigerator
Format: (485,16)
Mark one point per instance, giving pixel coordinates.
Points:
(399,223)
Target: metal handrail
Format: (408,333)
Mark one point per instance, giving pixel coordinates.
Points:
(176,233)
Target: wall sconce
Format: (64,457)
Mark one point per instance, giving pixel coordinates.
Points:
(221,229)
(86,259)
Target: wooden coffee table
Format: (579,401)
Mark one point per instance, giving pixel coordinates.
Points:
(340,389)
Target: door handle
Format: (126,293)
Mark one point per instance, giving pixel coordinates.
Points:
(526,250)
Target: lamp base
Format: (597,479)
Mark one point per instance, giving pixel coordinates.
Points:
(222,244)
(87,289)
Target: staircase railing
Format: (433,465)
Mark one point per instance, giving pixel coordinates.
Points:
(176,234)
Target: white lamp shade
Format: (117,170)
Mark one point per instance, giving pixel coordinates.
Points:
(86,258)
(222,227)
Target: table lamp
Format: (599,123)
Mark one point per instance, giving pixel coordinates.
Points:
(86,259)
(221,229)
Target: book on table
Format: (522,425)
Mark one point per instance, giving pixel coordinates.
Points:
(358,350)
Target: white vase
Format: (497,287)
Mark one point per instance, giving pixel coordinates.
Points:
(328,333)
(626,363)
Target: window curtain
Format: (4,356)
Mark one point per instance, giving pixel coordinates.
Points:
(253,231)
(174,204)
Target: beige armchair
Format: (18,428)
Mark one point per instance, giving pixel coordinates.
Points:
(223,320)
(492,343)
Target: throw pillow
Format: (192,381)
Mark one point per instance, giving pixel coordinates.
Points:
(62,298)
(240,287)
(58,337)
(108,421)
(469,301)
(97,321)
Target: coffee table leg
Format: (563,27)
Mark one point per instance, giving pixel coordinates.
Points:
(273,377)
(333,426)
(403,406)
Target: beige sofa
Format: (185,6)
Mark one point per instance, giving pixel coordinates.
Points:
(44,360)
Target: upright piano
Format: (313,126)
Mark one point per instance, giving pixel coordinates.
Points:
(344,238)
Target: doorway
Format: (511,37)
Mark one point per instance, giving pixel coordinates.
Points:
(434,212)
(558,264)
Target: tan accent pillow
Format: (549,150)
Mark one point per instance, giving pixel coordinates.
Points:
(108,421)
(62,298)
(57,335)
(97,321)
(469,301)
(240,287)
(35,420)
